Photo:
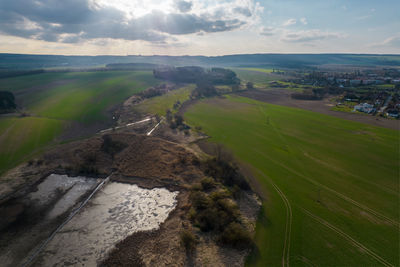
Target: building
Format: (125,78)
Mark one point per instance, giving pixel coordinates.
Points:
(365,107)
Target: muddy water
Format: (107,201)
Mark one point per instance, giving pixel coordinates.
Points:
(53,199)
(116,211)
(70,188)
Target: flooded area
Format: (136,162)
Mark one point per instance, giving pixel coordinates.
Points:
(33,216)
(115,212)
(68,190)
(77,220)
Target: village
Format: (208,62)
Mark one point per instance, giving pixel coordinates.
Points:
(371,91)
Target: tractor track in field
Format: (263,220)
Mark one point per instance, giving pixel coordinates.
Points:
(383,188)
(343,197)
(349,238)
(346,198)
(288,228)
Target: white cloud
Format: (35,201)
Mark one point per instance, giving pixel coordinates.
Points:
(268,31)
(71,21)
(289,22)
(308,36)
(393,41)
(304,21)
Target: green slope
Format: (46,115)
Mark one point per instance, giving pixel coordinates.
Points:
(55,100)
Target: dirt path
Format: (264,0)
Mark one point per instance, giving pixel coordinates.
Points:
(127,125)
(349,238)
(155,127)
(282,97)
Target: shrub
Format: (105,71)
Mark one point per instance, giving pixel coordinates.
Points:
(229,207)
(192,214)
(196,187)
(200,200)
(188,240)
(220,194)
(208,219)
(228,174)
(235,235)
(195,161)
(111,147)
(90,158)
(86,169)
(207,183)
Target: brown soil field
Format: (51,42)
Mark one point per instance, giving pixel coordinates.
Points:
(283,98)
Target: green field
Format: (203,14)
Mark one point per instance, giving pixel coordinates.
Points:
(159,104)
(55,100)
(259,70)
(330,186)
(259,78)
(20,137)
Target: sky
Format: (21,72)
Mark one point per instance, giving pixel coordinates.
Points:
(199,27)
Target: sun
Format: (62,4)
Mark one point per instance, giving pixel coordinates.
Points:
(138,8)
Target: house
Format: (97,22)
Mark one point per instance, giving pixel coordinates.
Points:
(365,107)
(355,82)
(392,113)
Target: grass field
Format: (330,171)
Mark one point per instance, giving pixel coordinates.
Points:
(330,186)
(54,100)
(259,70)
(20,137)
(159,105)
(259,78)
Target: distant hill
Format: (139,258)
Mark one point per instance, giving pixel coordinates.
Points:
(28,62)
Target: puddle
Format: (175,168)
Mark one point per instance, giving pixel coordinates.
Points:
(70,188)
(115,212)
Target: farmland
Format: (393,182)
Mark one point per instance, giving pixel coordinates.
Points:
(329,185)
(258,78)
(159,104)
(55,101)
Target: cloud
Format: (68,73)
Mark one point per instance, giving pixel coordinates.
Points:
(393,41)
(71,21)
(304,21)
(183,6)
(267,31)
(243,10)
(308,36)
(289,22)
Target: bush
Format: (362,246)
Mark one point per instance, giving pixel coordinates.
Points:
(208,219)
(235,235)
(213,213)
(200,200)
(207,183)
(188,240)
(86,169)
(229,207)
(220,194)
(228,174)
(249,86)
(192,214)
(196,187)
(111,147)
